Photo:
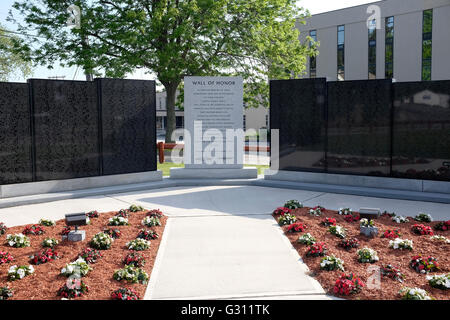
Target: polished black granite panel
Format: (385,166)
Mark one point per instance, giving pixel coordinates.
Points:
(15,137)
(421,130)
(129,125)
(297,109)
(359,127)
(65,129)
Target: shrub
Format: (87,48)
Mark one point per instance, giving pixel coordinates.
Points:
(392,272)
(131,274)
(5,293)
(135,208)
(317,249)
(440,226)
(286,219)
(440,238)
(331,263)
(307,239)
(65,231)
(293,204)
(414,294)
(46,223)
(422,229)
(43,257)
(345,211)
(134,259)
(114,233)
(3,228)
(347,285)
(281,211)
(367,255)
(348,244)
(391,234)
(19,272)
(147,234)
(138,244)
(78,267)
(440,281)
(155,213)
(401,244)
(365,223)
(5,257)
(338,231)
(316,211)
(118,221)
(400,219)
(49,242)
(90,255)
(151,222)
(92,214)
(73,288)
(328,222)
(33,230)
(125,294)
(424,265)
(296,227)
(123,213)
(352,217)
(101,241)
(17,240)
(423,217)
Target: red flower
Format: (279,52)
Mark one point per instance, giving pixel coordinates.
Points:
(282,211)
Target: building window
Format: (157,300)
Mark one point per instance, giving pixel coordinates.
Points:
(312,60)
(340,53)
(244,127)
(389,48)
(373,49)
(267,121)
(427,36)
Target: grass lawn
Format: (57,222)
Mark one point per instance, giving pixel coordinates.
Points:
(165,167)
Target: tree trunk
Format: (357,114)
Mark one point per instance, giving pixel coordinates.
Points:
(171,91)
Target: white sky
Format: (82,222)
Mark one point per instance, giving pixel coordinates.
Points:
(314,7)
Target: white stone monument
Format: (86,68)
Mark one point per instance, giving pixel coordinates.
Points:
(214,136)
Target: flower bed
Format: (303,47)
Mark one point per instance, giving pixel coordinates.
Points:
(46,280)
(346,249)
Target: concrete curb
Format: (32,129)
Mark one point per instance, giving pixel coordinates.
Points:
(259,182)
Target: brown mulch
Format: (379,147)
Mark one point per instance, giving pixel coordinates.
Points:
(44,283)
(389,288)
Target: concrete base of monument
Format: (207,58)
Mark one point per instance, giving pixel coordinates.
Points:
(208,173)
(41,187)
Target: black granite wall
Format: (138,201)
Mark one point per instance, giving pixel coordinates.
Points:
(421,127)
(55,129)
(129,125)
(359,127)
(65,129)
(297,108)
(370,127)
(15,137)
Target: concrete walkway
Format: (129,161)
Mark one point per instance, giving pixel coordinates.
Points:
(220,241)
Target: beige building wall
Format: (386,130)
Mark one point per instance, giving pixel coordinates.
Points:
(407,39)
(255,118)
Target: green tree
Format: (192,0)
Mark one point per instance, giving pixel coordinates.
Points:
(255,39)
(11,63)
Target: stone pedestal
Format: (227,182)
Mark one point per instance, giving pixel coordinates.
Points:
(187,173)
(76,236)
(370,232)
